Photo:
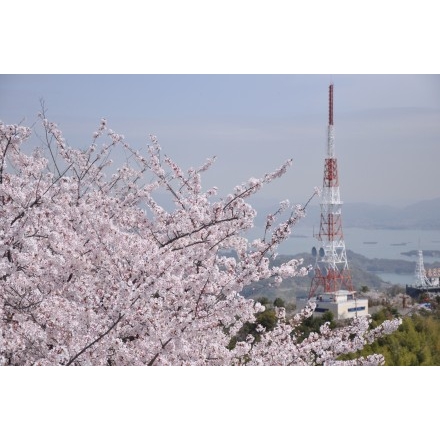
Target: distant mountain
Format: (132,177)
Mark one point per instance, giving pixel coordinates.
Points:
(420,215)
(426,215)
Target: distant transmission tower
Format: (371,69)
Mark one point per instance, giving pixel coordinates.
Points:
(420,273)
(331,270)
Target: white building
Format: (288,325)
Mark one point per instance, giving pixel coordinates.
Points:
(342,304)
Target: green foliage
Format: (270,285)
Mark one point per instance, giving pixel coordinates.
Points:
(279,302)
(268,319)
(313,324)
(263,300)
(328,317)
(415,343)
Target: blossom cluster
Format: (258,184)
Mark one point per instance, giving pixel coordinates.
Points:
(95,271)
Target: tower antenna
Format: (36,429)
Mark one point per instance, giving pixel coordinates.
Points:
(331,288)
(330,105)
(331,267)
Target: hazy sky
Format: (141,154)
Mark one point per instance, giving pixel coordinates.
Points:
(387,126)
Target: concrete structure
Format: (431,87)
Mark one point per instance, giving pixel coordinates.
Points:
(343,305)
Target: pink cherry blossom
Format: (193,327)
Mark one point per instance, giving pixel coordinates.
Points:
(95,271)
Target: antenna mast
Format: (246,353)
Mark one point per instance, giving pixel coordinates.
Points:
(420,273)
(331,267)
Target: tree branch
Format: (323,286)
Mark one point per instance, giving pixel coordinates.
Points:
(96,340)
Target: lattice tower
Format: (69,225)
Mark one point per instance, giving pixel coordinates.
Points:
(420,273)
(331,267)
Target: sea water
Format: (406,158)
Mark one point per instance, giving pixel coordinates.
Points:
(373,243)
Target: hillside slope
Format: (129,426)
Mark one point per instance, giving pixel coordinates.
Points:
(361,268)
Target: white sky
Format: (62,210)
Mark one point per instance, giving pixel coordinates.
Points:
(387,126)
(387,120)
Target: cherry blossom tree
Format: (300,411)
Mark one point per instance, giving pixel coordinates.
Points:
(95,271)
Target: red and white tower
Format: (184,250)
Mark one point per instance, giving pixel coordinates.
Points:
(331,272)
